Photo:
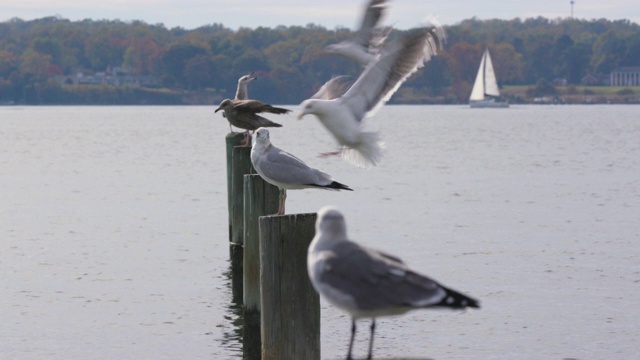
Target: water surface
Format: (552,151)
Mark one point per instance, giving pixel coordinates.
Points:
(114,230)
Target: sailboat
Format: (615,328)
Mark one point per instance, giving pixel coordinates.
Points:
(485,93)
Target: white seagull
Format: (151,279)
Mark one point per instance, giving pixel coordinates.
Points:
(286,171)
(367,39)
(368,283)
(343,116)
(242,93)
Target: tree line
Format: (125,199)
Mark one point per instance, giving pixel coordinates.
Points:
(288,59)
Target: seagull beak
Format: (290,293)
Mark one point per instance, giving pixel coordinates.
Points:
(301,115)
(218,109)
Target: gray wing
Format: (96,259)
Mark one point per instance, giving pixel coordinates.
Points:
(285,168)
(373,13)
(377,280)
(400,59)
(334,88)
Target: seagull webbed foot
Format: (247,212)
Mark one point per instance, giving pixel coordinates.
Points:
(328,154)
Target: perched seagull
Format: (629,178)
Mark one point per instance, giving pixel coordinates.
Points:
(286,171)
(244,114)
(367,283)
(367,39)
(343,115)
(242,93)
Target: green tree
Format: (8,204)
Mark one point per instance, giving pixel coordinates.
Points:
(539,60)
(174,61)
(507,62)
(198,71)
(574,63)
(632,53)
(607,52)
(250,60)
(105,50)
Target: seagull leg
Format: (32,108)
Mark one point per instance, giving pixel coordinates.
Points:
(373,328)
(245,141)
(283,198)
(353,335)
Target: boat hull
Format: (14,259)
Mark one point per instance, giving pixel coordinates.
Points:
(488,104)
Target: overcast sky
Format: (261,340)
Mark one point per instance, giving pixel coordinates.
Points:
(403,14)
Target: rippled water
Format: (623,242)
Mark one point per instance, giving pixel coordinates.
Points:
(114,230)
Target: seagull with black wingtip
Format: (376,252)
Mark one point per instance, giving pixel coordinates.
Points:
(368,283)
(284,170)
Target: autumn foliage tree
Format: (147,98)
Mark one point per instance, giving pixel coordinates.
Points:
(289,60)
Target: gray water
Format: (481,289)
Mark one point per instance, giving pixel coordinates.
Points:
(114,230)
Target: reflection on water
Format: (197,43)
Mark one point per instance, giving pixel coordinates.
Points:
(232,332)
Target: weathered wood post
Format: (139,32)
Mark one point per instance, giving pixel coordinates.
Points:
(232,140)
(241,167)
(290,307)
(238,164)
(260,198)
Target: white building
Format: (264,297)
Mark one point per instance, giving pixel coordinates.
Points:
(625,76)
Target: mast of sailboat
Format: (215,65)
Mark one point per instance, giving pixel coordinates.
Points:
(484,71)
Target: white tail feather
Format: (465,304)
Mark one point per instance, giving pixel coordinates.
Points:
(367,153)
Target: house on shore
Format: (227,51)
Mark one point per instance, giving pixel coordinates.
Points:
(116,77)
(625,76)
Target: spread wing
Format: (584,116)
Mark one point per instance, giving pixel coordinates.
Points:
(399,59)
(256,106)
(334,88)
(373,14)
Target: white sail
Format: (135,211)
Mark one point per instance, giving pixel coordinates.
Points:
(485,91)
(490,83)
(477,93)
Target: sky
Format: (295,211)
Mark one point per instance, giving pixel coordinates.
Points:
(403,14)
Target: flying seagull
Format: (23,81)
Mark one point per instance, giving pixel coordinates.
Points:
(343,116)
(334,88)
(368,283)
(286,171)
(242,93)
(367,39)
(243,114)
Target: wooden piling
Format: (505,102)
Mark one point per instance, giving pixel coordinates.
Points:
(290,307)
(238,164)
(232,140)
(260,198)
(241,166)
